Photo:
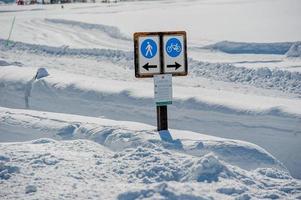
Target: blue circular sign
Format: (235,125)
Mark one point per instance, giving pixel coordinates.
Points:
(148,48)
(173,47)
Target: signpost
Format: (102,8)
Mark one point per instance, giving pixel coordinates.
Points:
(161,55)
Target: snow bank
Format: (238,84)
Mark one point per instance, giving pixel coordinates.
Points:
(250,48)
(294,51)
(81,169)
(111,31)
(119,136)
(261,77)
(104,54)
(107,159)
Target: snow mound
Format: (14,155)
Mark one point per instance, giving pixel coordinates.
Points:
(261,77)
(232,151)
(43,141)
(7,169)
(111,31)
(294,51)
(209,169)
(30,189)
(273,173)
(250,48)
(136,143)
(119,139)
(148,171)
(149,164)
(231,190)
(160,191)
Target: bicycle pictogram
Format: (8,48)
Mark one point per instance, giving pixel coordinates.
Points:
(173,47)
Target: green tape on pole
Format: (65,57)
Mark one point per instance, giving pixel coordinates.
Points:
(163,103)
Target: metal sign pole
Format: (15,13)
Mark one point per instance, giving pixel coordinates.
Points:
(162,121)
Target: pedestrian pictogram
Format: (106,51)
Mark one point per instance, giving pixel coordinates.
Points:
(149,48)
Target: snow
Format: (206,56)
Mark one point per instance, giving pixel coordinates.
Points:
(30,189)
(295,50)
(126,162)
(250,48)
(261,77)
(85,128)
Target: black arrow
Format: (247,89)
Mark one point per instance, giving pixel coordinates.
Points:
(147,66)
(176,66)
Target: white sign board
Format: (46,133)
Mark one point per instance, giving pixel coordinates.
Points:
(160,53)
(149,55)
(174,57)
(163,89)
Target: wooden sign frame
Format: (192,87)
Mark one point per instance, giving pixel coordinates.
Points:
(161,50)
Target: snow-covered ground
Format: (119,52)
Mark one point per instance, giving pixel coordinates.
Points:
(244,84)
(128,160)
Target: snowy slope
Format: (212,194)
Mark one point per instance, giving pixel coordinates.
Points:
(130,161)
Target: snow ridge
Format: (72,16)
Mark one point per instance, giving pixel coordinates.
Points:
(250,48)
(262,77)
(104,54)
(295,50)
(146,171)
(112,31)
